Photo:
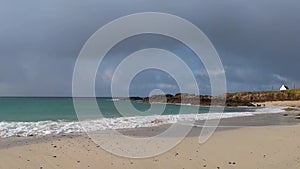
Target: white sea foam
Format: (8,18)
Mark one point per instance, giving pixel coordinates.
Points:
(42,128)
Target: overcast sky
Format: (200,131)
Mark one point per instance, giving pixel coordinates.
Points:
(258,43)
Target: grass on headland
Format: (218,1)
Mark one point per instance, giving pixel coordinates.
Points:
(292,93)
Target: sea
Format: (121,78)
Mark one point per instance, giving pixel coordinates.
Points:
(24,116)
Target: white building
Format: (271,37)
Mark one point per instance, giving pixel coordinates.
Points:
(284,87)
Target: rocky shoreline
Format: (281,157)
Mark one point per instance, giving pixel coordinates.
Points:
(230,99)
(192,99)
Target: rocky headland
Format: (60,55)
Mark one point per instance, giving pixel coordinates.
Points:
(232,99)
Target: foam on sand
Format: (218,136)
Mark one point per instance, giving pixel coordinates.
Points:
(42,128)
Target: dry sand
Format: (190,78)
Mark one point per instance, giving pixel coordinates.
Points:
(269,147)
(282,103)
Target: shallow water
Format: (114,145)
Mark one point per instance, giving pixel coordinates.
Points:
(44,116)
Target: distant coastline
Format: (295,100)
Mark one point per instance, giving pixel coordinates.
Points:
(232,99)
(249,99)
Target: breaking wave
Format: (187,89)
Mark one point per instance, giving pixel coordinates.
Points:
(42,128)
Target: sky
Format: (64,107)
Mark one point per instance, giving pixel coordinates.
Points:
(258,43)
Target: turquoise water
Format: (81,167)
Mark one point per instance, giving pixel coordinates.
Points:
(41,109)
(23,117)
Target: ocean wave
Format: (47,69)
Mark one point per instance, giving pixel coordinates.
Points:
(42,128)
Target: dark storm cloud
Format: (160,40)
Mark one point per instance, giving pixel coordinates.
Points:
(258,43)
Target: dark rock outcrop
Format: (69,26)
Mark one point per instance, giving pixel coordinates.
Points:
(184,98)
(232,99)
(135,98)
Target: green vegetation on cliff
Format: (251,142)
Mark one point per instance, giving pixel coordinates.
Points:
(293,94)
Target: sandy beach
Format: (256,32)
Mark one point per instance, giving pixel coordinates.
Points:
(263,144)
(282,103)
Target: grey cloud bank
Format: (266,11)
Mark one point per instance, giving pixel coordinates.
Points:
(258,43)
